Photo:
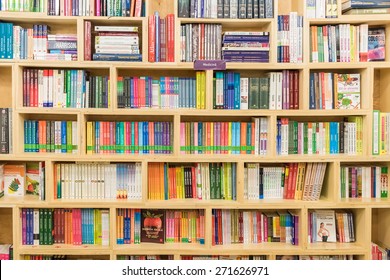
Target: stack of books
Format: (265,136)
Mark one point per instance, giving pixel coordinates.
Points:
(358,7)
(379,252)
(61,46)
(6,252)
(113,43)
(245,46)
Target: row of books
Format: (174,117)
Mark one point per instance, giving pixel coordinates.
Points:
(380,133)
(241,46)
(37,43)
(203,181)
(379,252)
(299,181)
(135,226)
(315,257)
(144,257)
(129,137)
(111,43)
(110,8)
(6,131)
(351,7)
(331,226)
(223,257)
(289,38)
(321,9)
(165,92)
(65,226)
(224,137)
(277,91)
(253,227)
(200,41)
(347,43)
(19,179)
(22,6)
(364,182)
(225,9)
(310,138)
(46,136)
(6,252)
(161,38)
(334,91)
(64,88)
(98,181)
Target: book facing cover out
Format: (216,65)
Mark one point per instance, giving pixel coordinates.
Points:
(376,44)
(152,225)
(14,178)
(348,91)
(325,226)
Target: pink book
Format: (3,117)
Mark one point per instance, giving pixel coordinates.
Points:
(136,97)
(97,7)
(24,223)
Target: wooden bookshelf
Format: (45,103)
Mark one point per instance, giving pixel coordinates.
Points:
(371,216)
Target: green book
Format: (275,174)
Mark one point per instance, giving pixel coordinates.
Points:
(264,93)
(254,93)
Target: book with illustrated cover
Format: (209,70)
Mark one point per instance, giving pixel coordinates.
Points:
(14,179)
(347,91)
(35,178)
(152,225)
(325,226)
(376,44)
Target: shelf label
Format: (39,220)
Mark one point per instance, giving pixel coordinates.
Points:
(209,65)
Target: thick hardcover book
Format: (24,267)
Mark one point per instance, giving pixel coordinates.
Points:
(152,225)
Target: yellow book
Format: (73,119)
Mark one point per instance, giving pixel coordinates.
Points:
(352,45)
(89,138)
(327,138)
(198,89)
(203,90)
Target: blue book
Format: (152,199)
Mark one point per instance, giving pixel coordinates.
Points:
(63,136)
(140,137)
(117,57)
(9,53)
(146,137)
(200,138)
(157,47)
(236,90)
(279,137)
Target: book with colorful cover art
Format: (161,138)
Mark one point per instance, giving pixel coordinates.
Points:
(14,179)
(347,91)
(152,225)
(34,178)
(325,226)
(376,44)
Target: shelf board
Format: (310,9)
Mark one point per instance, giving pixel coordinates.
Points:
(9,201)
(62,111)
(287,204)
(336,66)
(322,113)
(157,247)
(372,202)
(329,248)
(64,250)
(377,19)
(265,248)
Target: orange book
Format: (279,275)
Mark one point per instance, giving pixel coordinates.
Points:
(314,44)
(42,136)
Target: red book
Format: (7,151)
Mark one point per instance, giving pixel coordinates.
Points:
(290,90)
(294,181)
(265,227)
(87,38)
(152,39)
(138,8)
(171,38)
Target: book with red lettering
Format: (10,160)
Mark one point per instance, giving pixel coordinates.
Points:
(152,225)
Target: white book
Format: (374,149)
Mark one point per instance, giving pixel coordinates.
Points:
(106,28)
(244,82)
(279,90)
(272,90)
(310,8)
(36,227)
(325,226)
(105,227)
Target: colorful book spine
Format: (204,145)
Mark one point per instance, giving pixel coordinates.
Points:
(84,226)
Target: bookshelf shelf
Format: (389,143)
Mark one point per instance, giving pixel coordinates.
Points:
(372,215)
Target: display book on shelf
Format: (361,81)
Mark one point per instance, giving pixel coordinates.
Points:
(330,194)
